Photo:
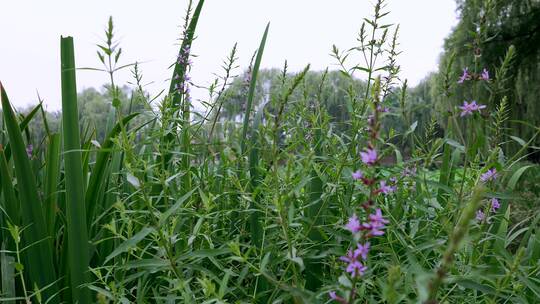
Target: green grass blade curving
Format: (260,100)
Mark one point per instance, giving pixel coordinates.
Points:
(39,258)
(75,209)
(252,85)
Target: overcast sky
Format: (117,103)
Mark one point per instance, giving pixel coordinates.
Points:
(301,31)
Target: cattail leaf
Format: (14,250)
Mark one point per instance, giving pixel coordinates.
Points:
(39,254)
(77,235)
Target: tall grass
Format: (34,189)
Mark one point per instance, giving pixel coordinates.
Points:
(178,206)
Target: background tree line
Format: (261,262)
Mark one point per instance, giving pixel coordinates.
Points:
(482,39)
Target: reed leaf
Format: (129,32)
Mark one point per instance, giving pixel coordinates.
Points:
(52,174)
(77,237)
(251,92)
(39,258)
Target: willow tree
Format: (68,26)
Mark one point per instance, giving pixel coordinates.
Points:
(487,30)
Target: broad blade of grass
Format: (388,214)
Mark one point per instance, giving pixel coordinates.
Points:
(39,262)
(52,173)
(78,259)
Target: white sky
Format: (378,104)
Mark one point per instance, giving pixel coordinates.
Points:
(301,31)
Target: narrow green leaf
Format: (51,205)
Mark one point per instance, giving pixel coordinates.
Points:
(165,215)
(516,176)
(251,92)
(129,243)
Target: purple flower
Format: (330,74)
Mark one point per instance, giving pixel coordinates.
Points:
(469,108)
(356,268)
(480,216)
(29,150)
(490,175)
(377,217)
(335,297)
(383,109)
(485,75)
(354,224)
(375,228)
(376,223)
(350,257)
(369,157)
(362,250)
(465,76)
(385,188)
(357,175)
(495,205)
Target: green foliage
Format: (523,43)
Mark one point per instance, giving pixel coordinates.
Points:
(135,201)
(490,33)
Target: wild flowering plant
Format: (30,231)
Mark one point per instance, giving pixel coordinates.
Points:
(367,221)
(292,206)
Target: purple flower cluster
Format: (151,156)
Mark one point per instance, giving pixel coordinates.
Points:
(490,175)
(374,227)
(373,224)
(357,175)
(333,295)
(369,157)
(470,108)
(376,224)
(480,215)
(182,86)
(354,263)
(484,75)
(466,76)
(494,206)
(386,189)
(353,225)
